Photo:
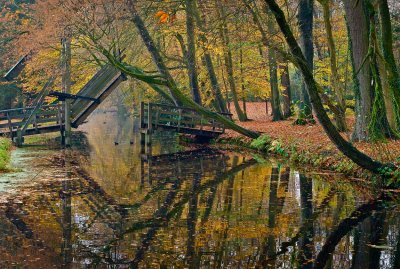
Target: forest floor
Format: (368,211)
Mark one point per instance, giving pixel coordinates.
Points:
(308,144)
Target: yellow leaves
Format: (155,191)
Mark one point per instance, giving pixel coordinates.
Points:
(163,16)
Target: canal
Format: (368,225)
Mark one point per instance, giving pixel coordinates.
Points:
(104,204)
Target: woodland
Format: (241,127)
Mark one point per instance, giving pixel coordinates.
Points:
(330,63)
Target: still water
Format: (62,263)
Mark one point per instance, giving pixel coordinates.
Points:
(107,205)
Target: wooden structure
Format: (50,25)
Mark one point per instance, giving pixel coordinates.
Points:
(16,69)
(41,118)
(178,119)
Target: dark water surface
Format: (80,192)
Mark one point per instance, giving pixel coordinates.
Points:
(111,207)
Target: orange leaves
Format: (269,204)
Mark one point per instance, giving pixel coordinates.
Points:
(165,17)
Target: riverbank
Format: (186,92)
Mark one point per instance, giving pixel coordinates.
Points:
(308,145)
(5,153)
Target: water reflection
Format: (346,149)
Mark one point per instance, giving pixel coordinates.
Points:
(115,208)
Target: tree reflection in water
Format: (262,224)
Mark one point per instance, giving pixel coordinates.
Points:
(198,209)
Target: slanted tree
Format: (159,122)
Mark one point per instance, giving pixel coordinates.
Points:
(166,80)
(201,25)
(272,57)
(337,87)
(313,89)
(224,34)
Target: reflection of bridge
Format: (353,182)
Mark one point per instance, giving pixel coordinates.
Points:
(177,165)
(80,237)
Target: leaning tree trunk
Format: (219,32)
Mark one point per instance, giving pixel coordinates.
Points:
(191,51)
(337,87)
(228,60)
(201,22)
(344,146)
(168,80)
(305,21)
(272,62)
(152,48)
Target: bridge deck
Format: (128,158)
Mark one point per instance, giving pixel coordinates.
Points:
(179,119)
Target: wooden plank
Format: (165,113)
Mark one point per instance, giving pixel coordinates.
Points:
(79,119)
(94,88)
(16,69)
(12,124)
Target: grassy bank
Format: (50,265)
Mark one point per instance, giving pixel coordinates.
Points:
(5,151)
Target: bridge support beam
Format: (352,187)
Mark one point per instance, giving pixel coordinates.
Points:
(66,86)
(19,139)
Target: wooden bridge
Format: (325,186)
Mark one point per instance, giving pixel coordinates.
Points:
(178,119)
(41,118)
(44,118)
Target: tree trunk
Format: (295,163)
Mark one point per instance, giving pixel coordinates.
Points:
(273,76)
(358,36)
(228,60)
(337,87)
(379,127)
(275,102)
(153,50)
(305,21)
(392,74)
(242,84)
(191,51)
(313,88)
(179,97)
(286,94)
(201,22)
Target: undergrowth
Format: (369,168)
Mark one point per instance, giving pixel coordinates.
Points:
(5,148)
(322,160)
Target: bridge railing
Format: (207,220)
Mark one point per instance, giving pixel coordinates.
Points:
(12,119)
(181,119)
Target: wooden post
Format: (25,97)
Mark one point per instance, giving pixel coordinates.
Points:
(10,125)
(66,86)
(141,115)
(19,140)
(60,122)
(179,118)
(149,123)
(35,123)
